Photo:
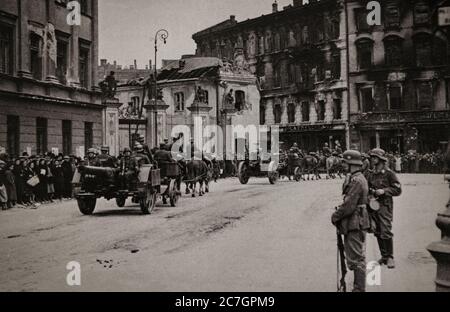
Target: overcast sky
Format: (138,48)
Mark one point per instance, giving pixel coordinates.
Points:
(127,27)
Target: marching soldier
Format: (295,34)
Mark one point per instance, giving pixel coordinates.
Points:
(352,218)
(384,185)
(92,159)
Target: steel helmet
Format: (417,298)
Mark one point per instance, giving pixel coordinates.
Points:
(92,151)
(379,153)
(353,158)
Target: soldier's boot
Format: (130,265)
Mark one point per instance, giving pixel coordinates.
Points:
(359,284)
(390,252)
(383,251)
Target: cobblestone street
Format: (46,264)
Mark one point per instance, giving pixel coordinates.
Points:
(256,237)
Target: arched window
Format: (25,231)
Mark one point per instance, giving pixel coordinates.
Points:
(239,100)
(393,51)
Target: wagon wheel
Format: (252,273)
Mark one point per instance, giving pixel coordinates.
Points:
(243,173)
(120,201)
(174,193)
(87,205)
(148,202)
(273,174)
(297,174)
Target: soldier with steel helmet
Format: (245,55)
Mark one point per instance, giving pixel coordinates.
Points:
(128,166)
(105,159)
(140,156)
(352,218)
(147,152)
(92,159)
(384,185)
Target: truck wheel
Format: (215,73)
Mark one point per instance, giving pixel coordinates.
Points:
(121,202)
(148,202)
(87,205)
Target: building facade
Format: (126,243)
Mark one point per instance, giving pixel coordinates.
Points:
(179,102)
(299,56)
(399,77)
(48,74)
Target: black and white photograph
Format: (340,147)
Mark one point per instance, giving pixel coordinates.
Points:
(224,146)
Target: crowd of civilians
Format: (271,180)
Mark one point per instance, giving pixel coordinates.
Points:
(29,181)
(413,162)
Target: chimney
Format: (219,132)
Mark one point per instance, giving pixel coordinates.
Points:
(150,64)
(275,7)
(233,18)
(103,62)
(135,64)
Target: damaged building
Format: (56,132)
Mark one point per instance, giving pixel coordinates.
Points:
(299,56)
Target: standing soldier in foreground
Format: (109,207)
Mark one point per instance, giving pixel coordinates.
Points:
(383,185)
(352,219)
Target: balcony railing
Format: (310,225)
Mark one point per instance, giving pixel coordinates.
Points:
(403,116)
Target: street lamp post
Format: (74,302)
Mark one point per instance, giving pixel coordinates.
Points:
(162,35)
